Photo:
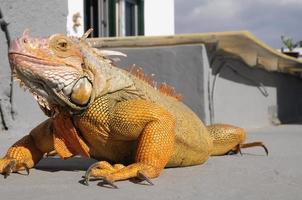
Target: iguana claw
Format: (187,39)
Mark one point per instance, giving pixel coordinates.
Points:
(104,179)
(109,182)
(238,148)
(9,168)
(141,175)
(88,172)
(26,168)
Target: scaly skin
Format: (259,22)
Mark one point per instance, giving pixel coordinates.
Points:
(97,110)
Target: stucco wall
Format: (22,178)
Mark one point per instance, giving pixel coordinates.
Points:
(43,18)
(243,96)
(251,97)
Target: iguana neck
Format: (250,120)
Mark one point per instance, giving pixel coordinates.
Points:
(107,78)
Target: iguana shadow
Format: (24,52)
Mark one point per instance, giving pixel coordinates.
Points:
(53,164)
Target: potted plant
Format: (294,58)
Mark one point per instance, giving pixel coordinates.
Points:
(288,42)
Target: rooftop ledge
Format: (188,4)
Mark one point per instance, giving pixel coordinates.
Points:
(238,44)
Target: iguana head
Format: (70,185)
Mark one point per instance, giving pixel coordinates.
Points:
(58,70)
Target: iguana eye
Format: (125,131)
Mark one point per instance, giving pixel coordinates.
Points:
(62,45)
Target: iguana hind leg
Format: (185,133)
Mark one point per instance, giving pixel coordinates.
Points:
(229,139)
(155,141)
(27,152)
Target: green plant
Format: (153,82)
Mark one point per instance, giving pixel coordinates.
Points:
(288,42)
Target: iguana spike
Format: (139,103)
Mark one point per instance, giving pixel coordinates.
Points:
(26,33)
(86,34)
(108,53)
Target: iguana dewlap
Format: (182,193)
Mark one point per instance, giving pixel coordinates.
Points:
(98,110)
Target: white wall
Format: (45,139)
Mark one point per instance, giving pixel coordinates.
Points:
(75,6)
(159,17)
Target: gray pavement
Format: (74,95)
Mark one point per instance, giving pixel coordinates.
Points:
(251,176)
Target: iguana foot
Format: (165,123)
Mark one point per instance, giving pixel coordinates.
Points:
(7,166)
(109,174)
(238,148)
(101,169)
(23,155)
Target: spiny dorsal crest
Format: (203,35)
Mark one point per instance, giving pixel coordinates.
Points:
(163,88)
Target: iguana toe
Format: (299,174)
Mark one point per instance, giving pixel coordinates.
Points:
(11,165)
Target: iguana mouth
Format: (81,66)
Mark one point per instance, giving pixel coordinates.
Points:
(47,97)
(35,88)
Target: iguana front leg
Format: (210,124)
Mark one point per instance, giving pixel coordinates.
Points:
(153,127)
(27,152)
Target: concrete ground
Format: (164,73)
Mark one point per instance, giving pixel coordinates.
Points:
(251,176)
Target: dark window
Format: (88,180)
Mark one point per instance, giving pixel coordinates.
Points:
(108,17)
(96,17)
(130,18)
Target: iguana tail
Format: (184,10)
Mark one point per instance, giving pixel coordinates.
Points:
(229,139)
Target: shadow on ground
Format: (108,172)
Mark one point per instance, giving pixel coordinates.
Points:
(53,164)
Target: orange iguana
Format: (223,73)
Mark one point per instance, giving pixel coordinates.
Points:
(100,111)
